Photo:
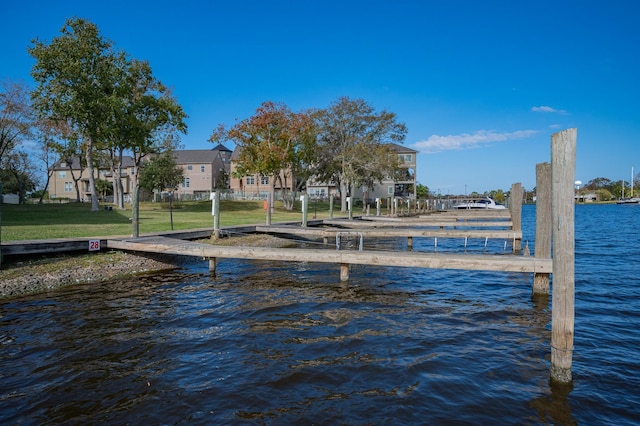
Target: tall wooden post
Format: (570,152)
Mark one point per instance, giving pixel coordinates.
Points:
(215,212)
(563,170)
(269,205)
(330,206)
(305,208)
(543,224)
(515,207)
(135,211)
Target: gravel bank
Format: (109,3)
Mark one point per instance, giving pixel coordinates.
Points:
(32,276)
(37,275)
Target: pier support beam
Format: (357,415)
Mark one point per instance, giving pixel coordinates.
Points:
(543,225)
(213,263)
(563,170)
(344,272)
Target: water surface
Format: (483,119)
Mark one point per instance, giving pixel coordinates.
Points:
(276,343)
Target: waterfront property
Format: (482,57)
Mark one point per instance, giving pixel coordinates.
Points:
(554,216)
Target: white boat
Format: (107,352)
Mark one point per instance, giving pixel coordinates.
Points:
(628,200)
(483,203)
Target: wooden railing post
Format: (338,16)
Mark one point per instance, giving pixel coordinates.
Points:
(563,169)
(543,224)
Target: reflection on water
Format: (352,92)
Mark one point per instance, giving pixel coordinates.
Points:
(270,343)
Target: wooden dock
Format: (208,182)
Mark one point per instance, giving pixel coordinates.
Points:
(554,234)
(505,263)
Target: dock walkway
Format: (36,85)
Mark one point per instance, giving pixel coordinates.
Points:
(506,263)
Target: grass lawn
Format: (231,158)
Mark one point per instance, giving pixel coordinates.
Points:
(43,221)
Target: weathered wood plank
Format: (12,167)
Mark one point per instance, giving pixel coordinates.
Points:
(423,224)
(27,247)
(396,233)
(379,258)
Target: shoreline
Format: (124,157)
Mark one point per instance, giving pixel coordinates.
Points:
(22,278)
(37,275)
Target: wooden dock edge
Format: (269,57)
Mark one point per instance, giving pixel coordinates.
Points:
(505,263)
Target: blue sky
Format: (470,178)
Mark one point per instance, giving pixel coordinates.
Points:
(481,85)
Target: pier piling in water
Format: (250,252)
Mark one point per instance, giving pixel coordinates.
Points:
(543,225)
(563,168)
(515,207)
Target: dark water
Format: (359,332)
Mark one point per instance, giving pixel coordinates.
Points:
(267,343)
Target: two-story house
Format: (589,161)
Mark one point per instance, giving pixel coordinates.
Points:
(204,171)
(404,187)
(64,174)
(257,186)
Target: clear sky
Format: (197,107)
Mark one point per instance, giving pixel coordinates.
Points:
(481,85)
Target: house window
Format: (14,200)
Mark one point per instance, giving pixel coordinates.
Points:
(264,180)
(186,183)
(63,164)
(250,180)
(68,187)
(390,190)
(202,169)
(62,175)
(189,167)
(407,158)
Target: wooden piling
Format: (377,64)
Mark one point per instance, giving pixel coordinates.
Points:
(269,206)
(344,272)
(213,263)
(305,209)
(515,206)
(215,211)
(330,206)
(543,225)
(563,168)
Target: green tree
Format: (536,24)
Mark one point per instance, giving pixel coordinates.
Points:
(15,116)
(77,75)
(274,142)
(104,187)
(17,174)
(422,191)
(162,173)
(349,139)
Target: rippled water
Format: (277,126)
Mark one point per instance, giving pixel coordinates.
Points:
(268,343)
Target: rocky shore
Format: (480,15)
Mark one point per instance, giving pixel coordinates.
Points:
(44,274)
(37,275)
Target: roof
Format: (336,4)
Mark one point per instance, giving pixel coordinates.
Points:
(186,156)
(127,161)
(401,148)
(221,147)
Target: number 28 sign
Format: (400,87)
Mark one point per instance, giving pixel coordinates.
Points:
(94,245)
